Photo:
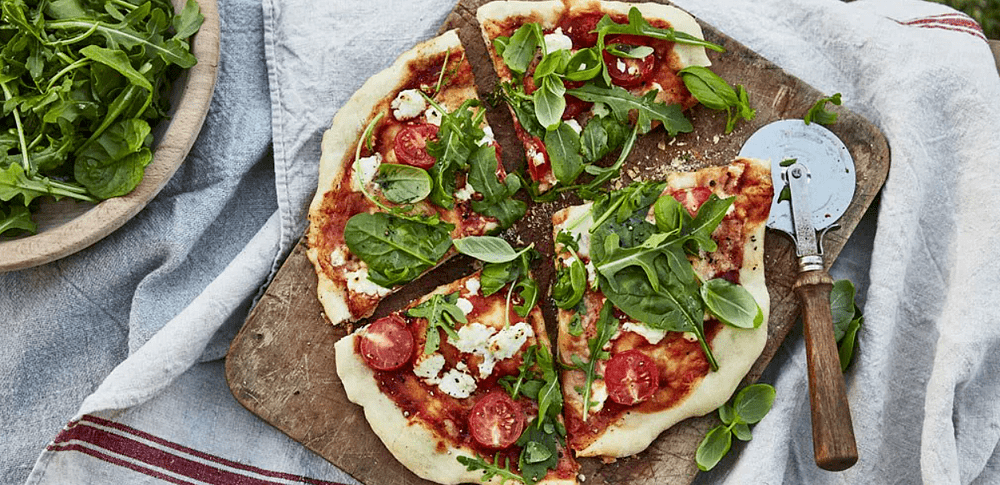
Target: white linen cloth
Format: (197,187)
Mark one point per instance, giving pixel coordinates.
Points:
(124,339)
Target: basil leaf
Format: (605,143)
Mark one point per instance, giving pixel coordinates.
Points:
(584,65)
(549,103)
(841,307)
(532,472)
(731,304)
(713,447)
(563,147)
(403,184)
(520,50)
(710,89)
(396,250)
(742,432)
(726,414)
(753,402)
(490,249)
(819,114)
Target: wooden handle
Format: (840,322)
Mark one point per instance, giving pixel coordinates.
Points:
(833,432)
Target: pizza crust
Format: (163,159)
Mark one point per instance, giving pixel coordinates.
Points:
(338,147)
(548,12)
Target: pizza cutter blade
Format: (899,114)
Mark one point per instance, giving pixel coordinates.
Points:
(818,172)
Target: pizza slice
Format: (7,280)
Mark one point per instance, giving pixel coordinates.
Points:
(407,165)
(662,302)
(461,385)
(582,78)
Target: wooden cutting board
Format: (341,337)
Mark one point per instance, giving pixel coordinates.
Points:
(281,364)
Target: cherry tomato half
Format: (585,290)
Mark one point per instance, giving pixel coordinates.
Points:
(387,344)
(625,71)
(411,144)
(692,198)
(496,421)
(631,377)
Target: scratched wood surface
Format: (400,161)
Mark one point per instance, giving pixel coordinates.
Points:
(281,364)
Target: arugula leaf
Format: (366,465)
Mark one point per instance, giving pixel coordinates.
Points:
(114,164)
(496,275)
(490,470)
(14,181)
(570,284)
(14,218)
(709,216)
(819,114)
(440,312)
(637,25)
(584,65)
(490,249)
(403,184)
(396,250)
(605,328)
(498,198)
(455,144)
(550,102)
(621,102)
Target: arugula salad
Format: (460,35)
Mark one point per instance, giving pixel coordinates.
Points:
(83,83)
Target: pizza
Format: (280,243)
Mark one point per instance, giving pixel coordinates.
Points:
(407,165)
(462,382)
(659,288)
(580,82)
(646,276)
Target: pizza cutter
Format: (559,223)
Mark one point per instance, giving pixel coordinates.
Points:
(818,171)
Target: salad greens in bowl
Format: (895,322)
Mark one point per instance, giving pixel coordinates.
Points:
(102,100)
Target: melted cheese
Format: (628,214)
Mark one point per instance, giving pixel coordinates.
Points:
(652,335)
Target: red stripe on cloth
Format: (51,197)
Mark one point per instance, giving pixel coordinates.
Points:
(116,461)
(949,21)
(85,430)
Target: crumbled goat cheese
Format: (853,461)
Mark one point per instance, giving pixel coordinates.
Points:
(358,282)
(408,104)
(557,40)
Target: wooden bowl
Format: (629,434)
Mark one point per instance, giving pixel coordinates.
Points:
(67,226)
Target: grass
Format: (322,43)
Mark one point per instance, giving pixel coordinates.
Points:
(986,12)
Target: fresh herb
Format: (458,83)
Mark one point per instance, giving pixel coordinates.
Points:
(584,65)
(550,102)
(786,191)
(497,196)
(563,147)
(647,109)
(396,250)
(82,84)
(629,51)
(715,93)
(489,249)
(847,320)
(538,442)
(455,144)
(605,328)
(440,312)
(403,184)
(603,174)
(570,284)
(639,26)
(517,273)
(732,304)
(643,269)
(520,48)
(819,114)
(525,375)
(490,470)
(748,407)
